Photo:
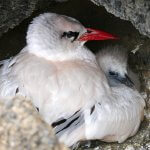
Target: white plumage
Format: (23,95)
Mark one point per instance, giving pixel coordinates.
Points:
(127,103)
(66,84)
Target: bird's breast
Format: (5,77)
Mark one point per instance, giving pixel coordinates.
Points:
(80,79)
(52,84)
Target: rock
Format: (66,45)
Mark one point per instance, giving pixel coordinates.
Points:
(21,128)
(136,11)
(13,12)
(129,147)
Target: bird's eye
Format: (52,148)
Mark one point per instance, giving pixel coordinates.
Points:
(112,73)
(70,34)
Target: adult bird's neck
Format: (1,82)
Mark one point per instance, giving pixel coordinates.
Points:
(57,55)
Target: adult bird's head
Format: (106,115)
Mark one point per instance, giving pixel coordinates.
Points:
(54,33)
(113,61)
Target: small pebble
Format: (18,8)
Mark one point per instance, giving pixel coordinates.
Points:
(129,147)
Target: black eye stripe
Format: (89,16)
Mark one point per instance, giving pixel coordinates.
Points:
(112,73)
(70,34)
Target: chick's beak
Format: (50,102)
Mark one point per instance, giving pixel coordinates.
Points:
(93,34)
(127,81)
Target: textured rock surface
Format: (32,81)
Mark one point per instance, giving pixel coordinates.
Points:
(136,11)
(12,12)
(21,128)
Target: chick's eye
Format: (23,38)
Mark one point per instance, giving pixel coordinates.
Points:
(112,73)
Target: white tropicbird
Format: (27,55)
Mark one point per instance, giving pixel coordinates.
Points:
(125,85)
(116,116)
(64,81)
